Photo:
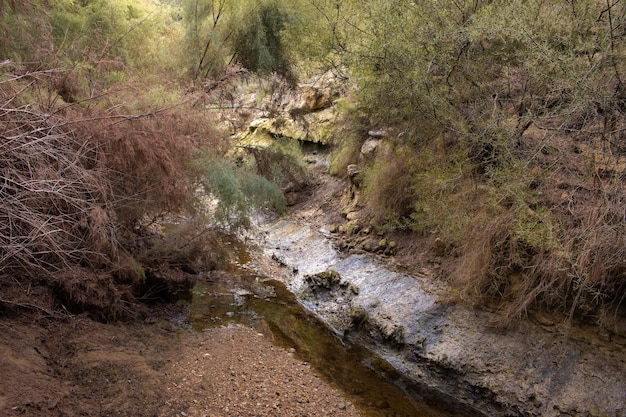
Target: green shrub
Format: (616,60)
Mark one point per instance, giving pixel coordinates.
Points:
(257,40)
(231,192)
(281,162)
(387,186)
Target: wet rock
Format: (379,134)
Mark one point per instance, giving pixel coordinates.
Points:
(326,279)
(358,316)
(447,345)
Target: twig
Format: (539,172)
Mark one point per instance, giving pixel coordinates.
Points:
(35,307)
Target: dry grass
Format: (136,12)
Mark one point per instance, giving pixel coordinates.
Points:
(555,240)
(389,186)
(53,194)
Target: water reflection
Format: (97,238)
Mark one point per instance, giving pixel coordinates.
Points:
(267,306)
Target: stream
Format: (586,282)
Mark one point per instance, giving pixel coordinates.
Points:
(392,342)
(242,295)
(374,386)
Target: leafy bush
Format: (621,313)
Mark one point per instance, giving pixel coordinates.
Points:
(233,191)
(257,40)
(280,163)
(81,191)
(387,186)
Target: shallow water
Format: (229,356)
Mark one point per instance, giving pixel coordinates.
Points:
(371,383)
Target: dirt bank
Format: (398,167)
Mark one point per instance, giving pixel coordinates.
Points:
(158,368)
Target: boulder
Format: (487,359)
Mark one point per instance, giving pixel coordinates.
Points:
(368,149)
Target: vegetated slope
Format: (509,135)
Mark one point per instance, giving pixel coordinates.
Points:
(504,141)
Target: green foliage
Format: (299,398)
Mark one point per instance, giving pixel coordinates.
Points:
(490,98)
(281,162)
(442,205)
(385,186)
(348,136)
(206,32)
(25,32)
(345,152)
(220,32)
(230,193)
(257,40)
(117,29)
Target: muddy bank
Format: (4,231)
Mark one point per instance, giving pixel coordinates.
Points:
(443,347)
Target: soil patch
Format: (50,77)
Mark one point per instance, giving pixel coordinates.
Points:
(154,368)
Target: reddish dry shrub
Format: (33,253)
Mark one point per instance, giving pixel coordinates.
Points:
(580,272)
(77,187)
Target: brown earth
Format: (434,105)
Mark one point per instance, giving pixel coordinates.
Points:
(155,368)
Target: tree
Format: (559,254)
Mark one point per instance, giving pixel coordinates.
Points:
(257,41)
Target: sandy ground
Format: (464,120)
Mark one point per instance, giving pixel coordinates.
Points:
(154,369)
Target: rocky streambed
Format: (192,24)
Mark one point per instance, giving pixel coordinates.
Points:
(448,351)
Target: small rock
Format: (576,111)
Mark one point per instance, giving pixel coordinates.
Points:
(353,215)
(342,406)
(379,134)
(352,227)
(439,248)
(352,170)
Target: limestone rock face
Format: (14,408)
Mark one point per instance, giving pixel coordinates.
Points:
(306,114)
(314,128)
(315,99)
(318,94)
(530,370)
